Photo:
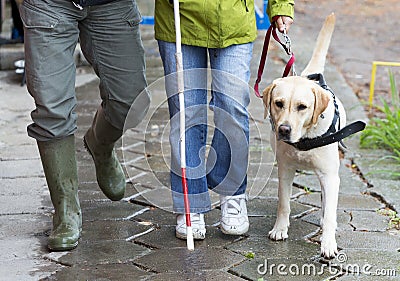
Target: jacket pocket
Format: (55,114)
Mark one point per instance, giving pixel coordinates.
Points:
(33,17)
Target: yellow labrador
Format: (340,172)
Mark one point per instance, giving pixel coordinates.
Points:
(300,109)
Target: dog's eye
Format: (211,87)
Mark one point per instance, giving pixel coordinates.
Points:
(301,107)
(279,104)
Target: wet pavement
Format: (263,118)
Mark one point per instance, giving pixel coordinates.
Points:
(134,239)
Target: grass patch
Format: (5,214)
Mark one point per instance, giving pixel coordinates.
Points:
(384,132)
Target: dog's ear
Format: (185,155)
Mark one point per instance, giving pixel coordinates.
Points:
(321,103)
(267,98)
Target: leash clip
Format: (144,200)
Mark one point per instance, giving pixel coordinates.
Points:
(288,42)
(288,46)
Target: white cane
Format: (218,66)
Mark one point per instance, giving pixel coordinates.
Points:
(182,139)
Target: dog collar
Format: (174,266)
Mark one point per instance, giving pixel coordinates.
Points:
(332,135)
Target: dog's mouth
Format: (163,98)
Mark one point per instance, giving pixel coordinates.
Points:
(284,132)
(284,138)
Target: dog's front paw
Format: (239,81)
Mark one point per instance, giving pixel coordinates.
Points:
(329,248)
(278,234)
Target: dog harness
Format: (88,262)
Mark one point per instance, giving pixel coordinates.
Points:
(334,133)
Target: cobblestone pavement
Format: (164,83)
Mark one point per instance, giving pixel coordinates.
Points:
(134,239)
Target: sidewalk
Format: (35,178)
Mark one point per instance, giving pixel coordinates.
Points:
(134,239)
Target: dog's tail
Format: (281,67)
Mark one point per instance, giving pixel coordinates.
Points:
(317,62)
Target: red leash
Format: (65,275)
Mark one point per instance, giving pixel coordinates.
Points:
(286,47)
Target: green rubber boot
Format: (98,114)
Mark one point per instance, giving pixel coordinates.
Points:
(59,165)
(99,140)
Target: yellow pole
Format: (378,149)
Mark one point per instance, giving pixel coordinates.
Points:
(373,74)
(372,85)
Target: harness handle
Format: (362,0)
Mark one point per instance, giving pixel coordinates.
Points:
(286,46)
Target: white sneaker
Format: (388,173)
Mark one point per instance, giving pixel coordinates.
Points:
(198,226)
(234,220)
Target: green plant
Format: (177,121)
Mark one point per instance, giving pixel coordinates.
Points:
(250,255)
(307,190)
(394,219)
(385,132)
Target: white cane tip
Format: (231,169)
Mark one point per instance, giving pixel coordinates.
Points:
(189,239)
(190,244)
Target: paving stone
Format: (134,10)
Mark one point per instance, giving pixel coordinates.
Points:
(346,201)
(388,189)
(157,164)
(21,168)
(266,248)
(263,170)
(367,277)
(26,269)
(343,219)
(14,226)
(129,158)
(263,187)
(160,197)
(260,226)
(369,221)
(25,152)
(104,272)
(106,252)
(182,260)
(164,237)
(369,262)
(215,275)
(148,179)
(92,191)
(111,230)
(372,166)
(9,137)
(367,240)
(87,174)
(260,153)
(350,183)
(89,186)
(289,269)
(262,206)
(109,210)
(137,147)
(21,195)
(153,163)
(91,195)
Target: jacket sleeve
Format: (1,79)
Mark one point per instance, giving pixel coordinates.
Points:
(280,8)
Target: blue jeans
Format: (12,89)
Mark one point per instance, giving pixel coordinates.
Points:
(224,170)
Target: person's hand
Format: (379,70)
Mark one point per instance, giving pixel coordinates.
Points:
(283,22)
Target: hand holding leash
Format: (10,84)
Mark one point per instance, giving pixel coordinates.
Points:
(283,23)
(286,46)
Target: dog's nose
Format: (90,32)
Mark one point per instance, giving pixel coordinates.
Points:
(284,131)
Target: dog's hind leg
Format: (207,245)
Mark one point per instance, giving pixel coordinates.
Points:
(280,230)
(330,191)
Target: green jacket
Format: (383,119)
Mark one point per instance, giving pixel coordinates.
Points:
(214,23)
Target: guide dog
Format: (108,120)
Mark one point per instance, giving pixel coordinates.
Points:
(301,110)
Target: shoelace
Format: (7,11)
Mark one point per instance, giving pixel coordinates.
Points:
(195,218)
(233,206)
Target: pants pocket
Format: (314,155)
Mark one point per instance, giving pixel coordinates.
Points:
(33,17)
(133,17)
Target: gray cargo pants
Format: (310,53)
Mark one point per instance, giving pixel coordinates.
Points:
(110,40)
